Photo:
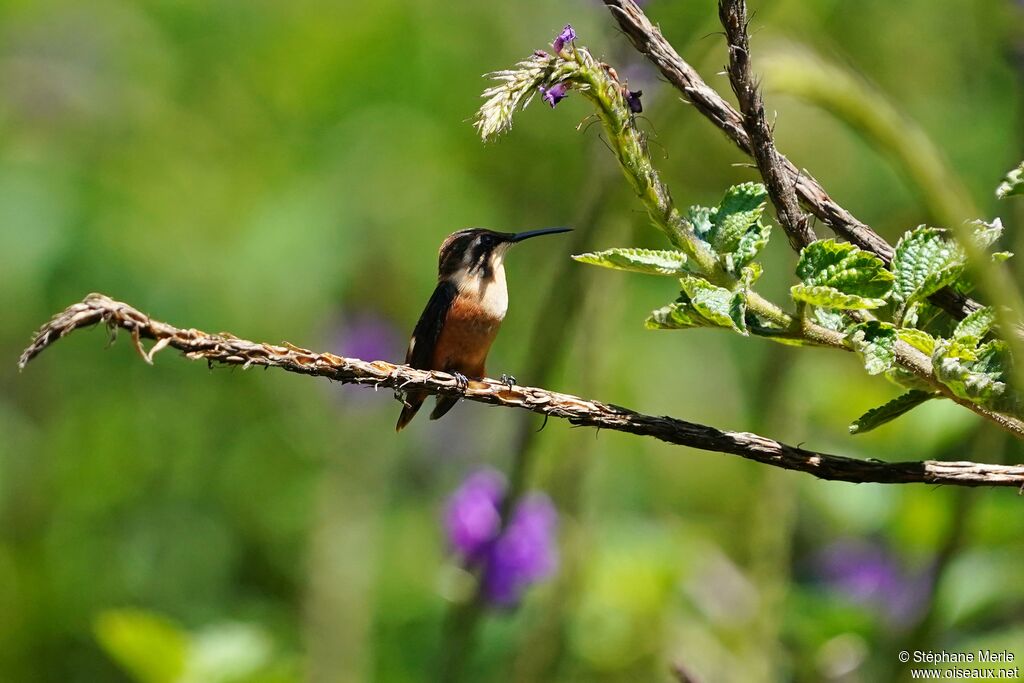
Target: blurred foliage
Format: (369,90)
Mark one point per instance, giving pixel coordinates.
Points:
(287,171)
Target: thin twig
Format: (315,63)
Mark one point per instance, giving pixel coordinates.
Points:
(230,350)
(647,39)
(797,224)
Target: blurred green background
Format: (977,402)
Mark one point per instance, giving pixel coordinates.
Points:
(286,171)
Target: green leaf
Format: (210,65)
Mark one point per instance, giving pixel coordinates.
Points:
(974,374)
(751,243)
(925,261)
(876,417)
(1012,184)
(739,211)
(701,304)
(149,648)
(919,339)
(700,219)
(716,304)
(650,261)
(734,228)
(874,341)
(829,319)
(976,325)
(678,315)
(830,297)
(840,275)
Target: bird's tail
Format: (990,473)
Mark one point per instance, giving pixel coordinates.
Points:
(413,401)
(444,404)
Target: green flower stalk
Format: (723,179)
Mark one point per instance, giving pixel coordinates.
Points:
(575,68)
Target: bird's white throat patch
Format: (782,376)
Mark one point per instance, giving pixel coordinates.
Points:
(490,293)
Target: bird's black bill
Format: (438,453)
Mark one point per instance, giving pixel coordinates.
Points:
(519,237)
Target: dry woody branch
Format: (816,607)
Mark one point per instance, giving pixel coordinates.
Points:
(224,348)
(733,14)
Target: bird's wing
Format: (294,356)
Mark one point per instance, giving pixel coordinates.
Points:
(428,329)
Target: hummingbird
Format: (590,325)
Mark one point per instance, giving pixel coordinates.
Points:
(462,317)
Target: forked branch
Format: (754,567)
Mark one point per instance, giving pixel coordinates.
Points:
(227,349)
(647,39)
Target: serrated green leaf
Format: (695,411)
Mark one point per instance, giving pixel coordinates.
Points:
(876,417)
(976,325)
(842,276)
(148,647)
(829,319)
(750,245)
(925,261)
(681,315)
(734,229)
(974,374)
(649,261)
(1013,183)
(874,341)
(717,305)
(738,212)
(678,315)
(919,339)
(701,304)
(830,297)
(700,219)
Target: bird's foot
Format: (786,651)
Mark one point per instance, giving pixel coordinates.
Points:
(508,380)
(461,381)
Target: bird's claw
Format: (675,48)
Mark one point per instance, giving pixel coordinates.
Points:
(461,381)
(508,380)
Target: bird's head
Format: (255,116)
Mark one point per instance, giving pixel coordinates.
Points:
(478,252)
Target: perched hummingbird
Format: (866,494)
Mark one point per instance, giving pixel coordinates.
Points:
(461,320)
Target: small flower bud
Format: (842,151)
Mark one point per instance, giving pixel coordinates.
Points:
(567,35)
(554,94)
(633,100)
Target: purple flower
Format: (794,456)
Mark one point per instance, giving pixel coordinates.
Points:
(870,574)
(633,100)
(367,336)
(524,553)
(510,559)
(472,517)
(567,35)
(554,94)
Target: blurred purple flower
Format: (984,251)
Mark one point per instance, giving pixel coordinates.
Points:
(525,552)
(567,35)
(869,573)
(510,560)
(367,336)
(633,100)
(554,94)
(472,517)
